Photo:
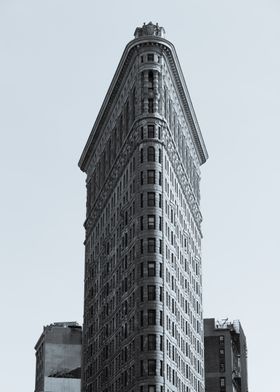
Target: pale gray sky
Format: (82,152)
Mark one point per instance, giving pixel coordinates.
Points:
(57,60)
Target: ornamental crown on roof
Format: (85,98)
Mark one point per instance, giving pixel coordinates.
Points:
(149,29)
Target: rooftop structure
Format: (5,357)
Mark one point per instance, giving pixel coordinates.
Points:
(225,356)
(58,358)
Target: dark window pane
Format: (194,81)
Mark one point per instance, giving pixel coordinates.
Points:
(141,223)
(141,155)
(151,293)
(159,202)
(151,317)
(152,342)
(151,199)
(152,365)
(150,105)
(151,177)
(151,245)
(151,131)
(151,154)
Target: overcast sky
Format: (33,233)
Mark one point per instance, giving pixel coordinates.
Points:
(57,60)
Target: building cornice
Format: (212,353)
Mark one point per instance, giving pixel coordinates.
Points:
(113,90)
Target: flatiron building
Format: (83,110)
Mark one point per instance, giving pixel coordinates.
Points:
(143,322)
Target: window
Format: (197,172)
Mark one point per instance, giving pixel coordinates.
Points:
(141,318)
(160,318)
(151,293)
(160,224)
(141,368)
(141,155)
(161,294)
(222,382)
(151,268)
(159,133)
(150,105)
(151,81)
(160,270)
(141,342)
(152,342)
(142,178)
(151,222)
(141,270)
(141,246)
(152,365)
(151,199)
(151,388)
(161,343)
(151,317)
(150,57)
(141,293)
(222,352)
(151,245)
(151,131)
(151,177)
(142,133)
(159,178)
(222,367)
(159,155)
(151,154)
(141,200)
(159,201)
(222,340)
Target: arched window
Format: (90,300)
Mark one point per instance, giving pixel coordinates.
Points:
(150,105)
(151,80)
(151,154)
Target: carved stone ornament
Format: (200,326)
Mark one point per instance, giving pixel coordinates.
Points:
(149,29)
(132,142)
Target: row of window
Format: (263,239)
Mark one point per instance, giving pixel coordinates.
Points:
(154,245)
(149,368)
(151,293)
(151,200)
(150,268)
(149,57)
(151,317)
(222,367)
(151,155)
(151,177)
(151,223)
(151,342)
(152,132)
(151,388)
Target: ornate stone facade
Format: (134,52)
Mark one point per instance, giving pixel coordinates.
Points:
(143,313)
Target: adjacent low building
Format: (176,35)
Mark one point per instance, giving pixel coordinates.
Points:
(225,356)
(58,358)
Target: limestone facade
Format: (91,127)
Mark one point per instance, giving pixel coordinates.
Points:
(143,325)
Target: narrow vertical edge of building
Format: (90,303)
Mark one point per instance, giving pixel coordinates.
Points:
(143,323)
